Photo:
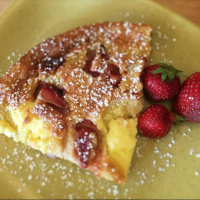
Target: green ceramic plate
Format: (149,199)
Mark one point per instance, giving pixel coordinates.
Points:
(163,168)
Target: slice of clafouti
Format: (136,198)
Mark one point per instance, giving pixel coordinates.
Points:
(77,96)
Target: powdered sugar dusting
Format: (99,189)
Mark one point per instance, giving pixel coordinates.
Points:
(151,160)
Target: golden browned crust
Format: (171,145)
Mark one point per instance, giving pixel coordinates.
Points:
(118,51)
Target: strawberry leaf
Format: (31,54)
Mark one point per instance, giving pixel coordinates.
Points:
(163,65)
(158,70)
(178,119)
(179,71)
(181,75)
(163,76)
(168,71)
(171,77)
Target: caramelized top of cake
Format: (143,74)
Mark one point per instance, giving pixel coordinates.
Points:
(77,96)
(79,73)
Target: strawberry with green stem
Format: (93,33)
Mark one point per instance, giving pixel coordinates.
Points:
(156,121)
(161,82)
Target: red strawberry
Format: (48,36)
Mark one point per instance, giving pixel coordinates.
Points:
(187,103)
(161,82)
(155,122)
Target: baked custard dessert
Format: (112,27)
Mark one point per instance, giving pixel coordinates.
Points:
(77,96)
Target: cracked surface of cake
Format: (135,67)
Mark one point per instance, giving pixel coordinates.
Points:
(77,96)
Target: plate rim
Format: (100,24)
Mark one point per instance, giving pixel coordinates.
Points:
(13,4)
